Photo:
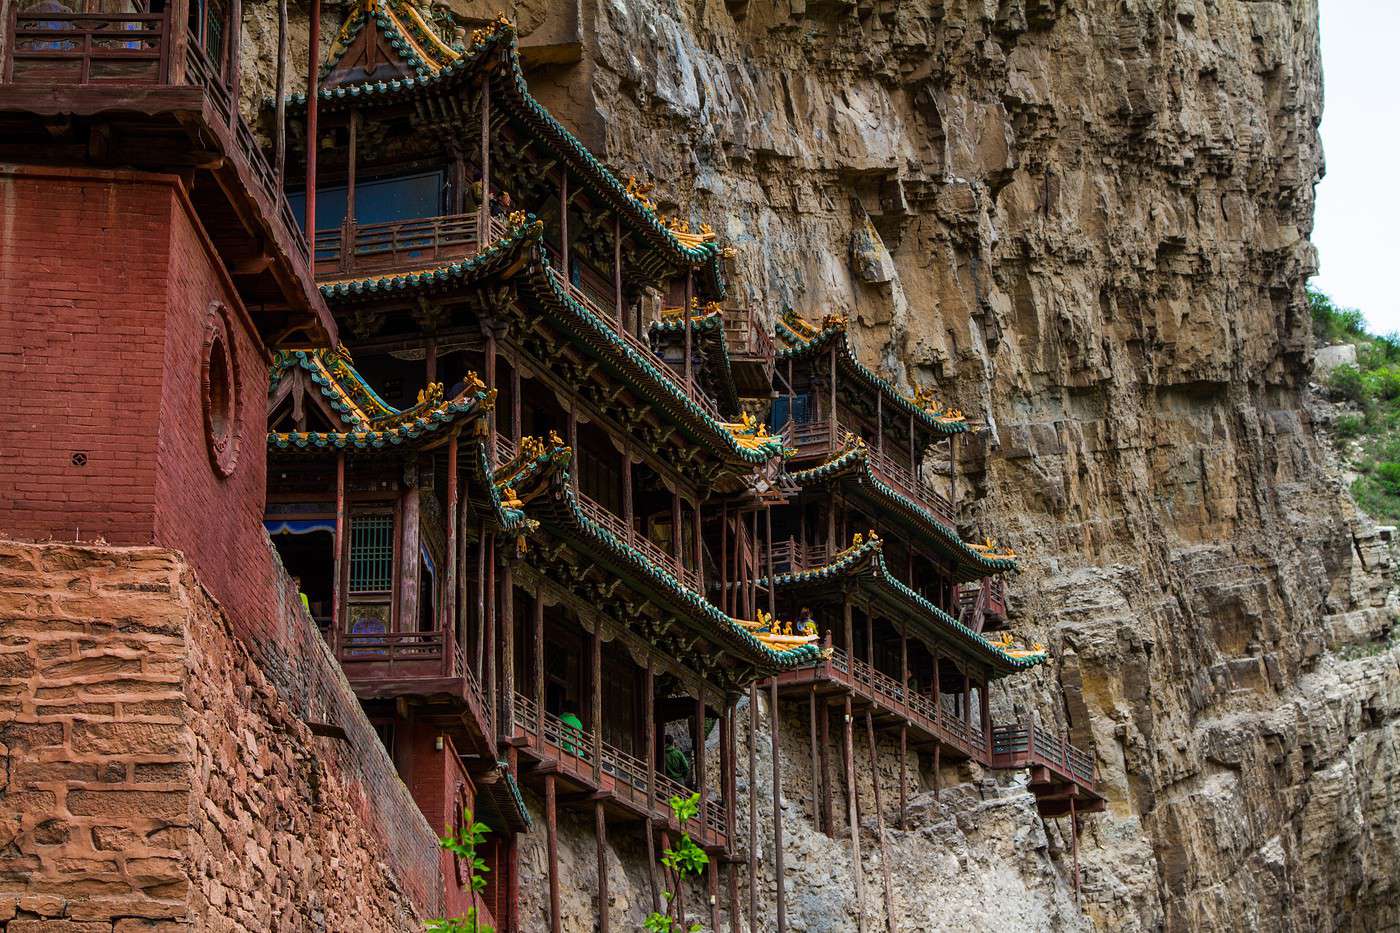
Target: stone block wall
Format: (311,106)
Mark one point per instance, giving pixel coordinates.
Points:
(154,776)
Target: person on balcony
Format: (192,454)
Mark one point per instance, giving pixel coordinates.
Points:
(572,738)
(676,762)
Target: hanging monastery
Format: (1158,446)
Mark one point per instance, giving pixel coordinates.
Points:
(549,501)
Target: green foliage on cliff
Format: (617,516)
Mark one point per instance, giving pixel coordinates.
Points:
(1371,436)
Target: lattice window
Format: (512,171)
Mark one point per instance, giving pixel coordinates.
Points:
(371,553)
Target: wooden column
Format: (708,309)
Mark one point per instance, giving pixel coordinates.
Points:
(515,405)
(627,496)
(984,701)
(853,812)
(768,559)
(279,132)
(904,726)
(313,94)
(551,825)
(676,529)
(449,603)
(831,413)
(828,818)
(600,833)
(699,550)
(730,777)
(347,246)
(913,459)
(753,806)
(573,442)
(816,765)
(233,38)
(481,601)
(725,603)
(689,340)
(409,561)
(649,711)
(489,674)
(698,758)
(506,725)
(712,882)
(484,209)
(1074,842)
(778,870)
(880,824)
(953,477)
(617,268)
(539,662)
(564,227)
(880,423)
(595,703)
(491,384)
(342,537)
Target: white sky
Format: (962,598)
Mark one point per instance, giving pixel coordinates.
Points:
(1357,230)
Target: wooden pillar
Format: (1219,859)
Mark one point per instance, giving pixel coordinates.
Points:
(913,458)
(489,674)
(816,765)
(768,557)
(753,806)
(313,94)
(831,413)
(347,246)
(600,833)
(880,825)
(564,227)
(515,405)
(506,724)
(539,662)
(730,779)
(491,384)
(725,602)
(449,603)
(828,821)
(953,475)
(853,812)
(627,504)
(279,132)
(649,711)
(617,268)
(595,703)
(650,829)
(848,625)
(699,551)
(551,825)
(342,537)
(880,423)
(233,38)
(484,208)
(481,601)
(712,883)
(937,766)
(689,339)
(676,529)
(409,561)
(698,758)
(1074,844)
(986,711)
(777,807)
(573,442)
(904,726)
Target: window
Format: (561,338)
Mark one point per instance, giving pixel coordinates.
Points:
(371,553)
(376,201)
(800,408)
(218,391)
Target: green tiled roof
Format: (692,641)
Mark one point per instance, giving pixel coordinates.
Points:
(508,80)
(708,329)
(853,463)
(868,560)
(466,407)
(794,346)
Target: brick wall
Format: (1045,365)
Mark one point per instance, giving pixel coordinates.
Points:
(106,284)
(441,787)
(160,779)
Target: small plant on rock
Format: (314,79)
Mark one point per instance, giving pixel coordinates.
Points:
(463,843)
(682,861)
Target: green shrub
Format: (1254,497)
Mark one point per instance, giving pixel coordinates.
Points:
(1347,383)
(1348,427)
(1388,476)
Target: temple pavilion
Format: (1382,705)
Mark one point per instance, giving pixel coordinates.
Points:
(554,503)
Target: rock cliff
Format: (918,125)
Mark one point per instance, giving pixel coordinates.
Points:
(1086,222)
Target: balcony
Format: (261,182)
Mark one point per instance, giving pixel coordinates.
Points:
(622,778)
(821,440)
(620,529)
(357,250)
(982,608)
(141,91)
(751,351)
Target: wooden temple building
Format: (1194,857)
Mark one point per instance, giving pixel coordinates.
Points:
(551,501)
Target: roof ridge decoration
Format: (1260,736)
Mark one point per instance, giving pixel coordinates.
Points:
(988,556)
(868,552)
(801,338)
(779,635)
(472,403)
(696,248)
(422,48)
(752,434)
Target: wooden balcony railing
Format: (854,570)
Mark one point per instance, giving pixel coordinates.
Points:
(1022,745)
(85,48)
(746,337)
(976,603)
(605,309)
(625,775)
(117,49)
(625,532)
(396,246)
(398,653)
(792,556)
(825,438)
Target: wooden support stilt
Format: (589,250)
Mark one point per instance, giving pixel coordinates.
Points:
(551,825)
(449,602)
(816,764)
(600,833)
(712,885)
(1074,845)
(853,812)
(279,135)
(753,806)
(595,704)
(313,97)
(880,825)
(650,829)
(539,660)
(937,769)
(506,704)
(698,760)
(778,871)
(828,818)
(903,776)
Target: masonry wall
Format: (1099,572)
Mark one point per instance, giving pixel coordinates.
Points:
(108,288)
(160,779)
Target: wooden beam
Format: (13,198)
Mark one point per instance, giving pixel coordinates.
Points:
(600,832)
(890,924)
(342,538)
(777,806)
(551,823)
(279,132)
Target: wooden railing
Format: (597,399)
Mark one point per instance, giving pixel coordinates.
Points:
(392,649)
(113,49)
(792,556)
(622,530)
(397,245)
(825,438)
(1023,745)
(606,310)
(627,774)
(85,48)
(745,335)
(975,603)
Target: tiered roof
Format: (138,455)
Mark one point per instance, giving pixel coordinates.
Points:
(707,333)
(439,68)
(969,561)
(863,563)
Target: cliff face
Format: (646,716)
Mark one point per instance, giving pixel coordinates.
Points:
(1086,222)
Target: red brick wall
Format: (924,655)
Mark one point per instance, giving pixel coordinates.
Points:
(83,268)
(106,281)
(438,784)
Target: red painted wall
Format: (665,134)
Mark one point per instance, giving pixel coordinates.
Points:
(438,782)
(105,284)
